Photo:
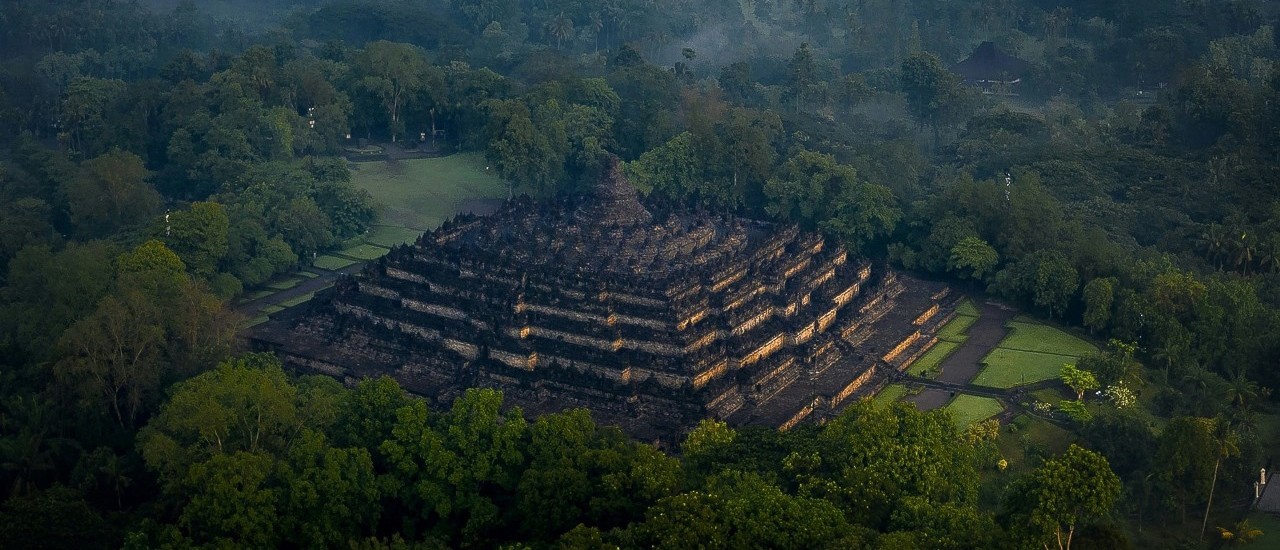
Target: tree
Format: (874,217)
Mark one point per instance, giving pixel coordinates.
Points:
(395,73)
(1099,295)
(1226,444)
(973,258)
(110,192)
(934,94)
(1067,490)
(199,236)
(1044,278)
(244,405)
(1080,381)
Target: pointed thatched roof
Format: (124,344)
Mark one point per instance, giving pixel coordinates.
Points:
(988,62)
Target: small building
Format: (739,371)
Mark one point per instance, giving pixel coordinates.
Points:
(992,70)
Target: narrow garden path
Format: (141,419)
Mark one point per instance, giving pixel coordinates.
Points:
(965,363)
(323,279)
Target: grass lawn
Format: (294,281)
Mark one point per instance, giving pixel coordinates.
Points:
(364,252)
(967,309)
(298,300)
(927,364)
(967,409)
(1050,395)
(284,284)
(332,262)
(1044,339)
(254,321)
(1270,526)
(421,193)
(308,274)
(257,294)
(1006,368)
(889,394)
(391,235)
(957,329)
(268,310)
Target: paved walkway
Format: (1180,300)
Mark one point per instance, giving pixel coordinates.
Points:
(963,364)
(324,279)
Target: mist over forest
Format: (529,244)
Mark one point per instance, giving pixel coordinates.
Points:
(174,172)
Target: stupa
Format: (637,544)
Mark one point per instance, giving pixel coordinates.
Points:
(652,317)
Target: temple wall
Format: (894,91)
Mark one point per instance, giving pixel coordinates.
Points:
(766,349)
(924,317)
(853,386)
(405,275)
(434,309)
(706,376)
(902,346)
(470,351)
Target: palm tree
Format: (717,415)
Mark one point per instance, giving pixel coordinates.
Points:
(560,28)
(1243,391)
(1226,445)
(1213,242)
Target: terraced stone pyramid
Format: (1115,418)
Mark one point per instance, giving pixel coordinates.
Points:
(652,318)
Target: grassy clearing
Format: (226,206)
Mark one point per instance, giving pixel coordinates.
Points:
(1028,433)
(967,409)
(1044,339)
(332,262)
(284,284)
(298,299)
(256,295)
(421,193)
(957,329)
(1049,395)
(1270,526)
(889,394)
(268,310)
(390,235)
(1006,368)
(254,321)
(967,308)
(927,365)
(308,274)
(364,252)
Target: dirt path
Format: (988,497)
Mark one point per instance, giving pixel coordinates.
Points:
(962,365)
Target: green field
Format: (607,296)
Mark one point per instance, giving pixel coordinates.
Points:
(364,252)
(271,309)
(927,364)
(390,235)
(957,329)
(1006,368)
(967,409)
(332,262)
(967,309)
(419,194)
(889,394)
(298,299)
(284,284)
(1045,339)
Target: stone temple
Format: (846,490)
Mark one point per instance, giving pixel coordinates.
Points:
(653,317)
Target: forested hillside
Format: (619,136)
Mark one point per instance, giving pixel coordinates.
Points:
(159,159)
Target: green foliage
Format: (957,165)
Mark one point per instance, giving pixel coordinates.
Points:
(1079,380)
(1065,492)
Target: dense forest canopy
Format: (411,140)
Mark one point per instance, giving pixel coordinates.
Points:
(159,158)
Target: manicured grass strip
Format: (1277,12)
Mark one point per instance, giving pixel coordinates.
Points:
(284,284)
(422,193)
(1048,395)
(332,262)
(298,299)
(390,235)
(254,321)
(308,274)
(257,294)
(1044,339)
(271,309)
(927,364)
(889,394)
(1006,368)
(957,329)
(967,409)
(967,308)
(365,252)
